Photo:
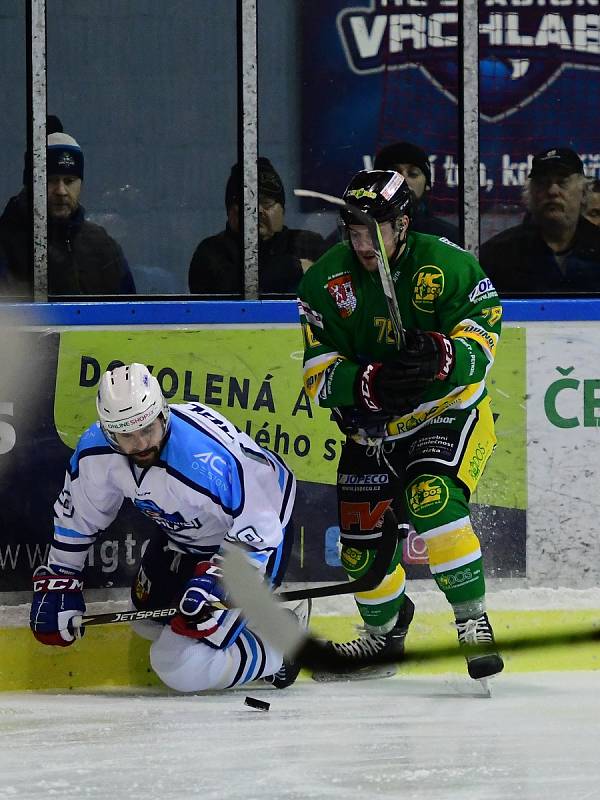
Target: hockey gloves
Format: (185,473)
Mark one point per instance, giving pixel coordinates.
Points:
(428,355)
(195,617)
(57,598)
(397,387)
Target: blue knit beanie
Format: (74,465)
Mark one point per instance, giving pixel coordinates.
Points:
(64,156)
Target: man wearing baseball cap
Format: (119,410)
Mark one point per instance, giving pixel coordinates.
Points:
(555,249)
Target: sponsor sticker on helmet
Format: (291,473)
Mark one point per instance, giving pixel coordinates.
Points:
(359,193)
(392,186)
(132,423)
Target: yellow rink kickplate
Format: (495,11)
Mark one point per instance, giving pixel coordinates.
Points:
(113,656)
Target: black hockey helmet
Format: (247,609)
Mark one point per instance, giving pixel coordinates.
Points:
(383,194)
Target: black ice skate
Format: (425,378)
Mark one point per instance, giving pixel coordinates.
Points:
(476,637)
(289,670)
(379,649)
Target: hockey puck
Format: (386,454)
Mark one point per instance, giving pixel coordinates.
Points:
(259,705)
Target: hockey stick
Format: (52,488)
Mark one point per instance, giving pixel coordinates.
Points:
(383,264)
(277,626)
(365,583)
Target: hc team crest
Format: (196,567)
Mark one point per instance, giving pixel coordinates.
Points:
(342,291)
(511,40)
(428,285)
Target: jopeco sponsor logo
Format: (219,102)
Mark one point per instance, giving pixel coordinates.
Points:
(363,480)
(427,495)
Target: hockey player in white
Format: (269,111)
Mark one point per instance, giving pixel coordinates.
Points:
(203,482)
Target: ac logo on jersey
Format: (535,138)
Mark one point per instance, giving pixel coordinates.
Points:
(428,285)
(342,291)
(210,460)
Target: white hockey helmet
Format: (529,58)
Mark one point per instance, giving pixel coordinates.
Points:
(129,398)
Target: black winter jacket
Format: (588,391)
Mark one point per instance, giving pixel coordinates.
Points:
(217,264)
(519,261)
(82,258)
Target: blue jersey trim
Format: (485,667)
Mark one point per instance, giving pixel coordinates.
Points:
(285,478)
(252,644)
(92,442)
(71,533)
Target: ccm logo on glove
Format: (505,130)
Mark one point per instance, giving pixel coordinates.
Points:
(53,584)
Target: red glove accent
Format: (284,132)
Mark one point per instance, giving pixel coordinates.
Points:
(365,387)
(52,639)
(195,630)
(445,350)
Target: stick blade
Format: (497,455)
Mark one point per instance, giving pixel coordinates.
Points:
(264,614)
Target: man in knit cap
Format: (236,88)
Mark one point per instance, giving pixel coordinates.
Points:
(82,258)
(412,163)
(217,265)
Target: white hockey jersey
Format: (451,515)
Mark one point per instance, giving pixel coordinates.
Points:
(213,483)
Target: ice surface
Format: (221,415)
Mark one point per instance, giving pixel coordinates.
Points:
(401,738)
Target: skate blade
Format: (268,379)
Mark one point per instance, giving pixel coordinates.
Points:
(486,689)
(363,674)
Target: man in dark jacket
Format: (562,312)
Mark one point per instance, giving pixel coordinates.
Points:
(284,254)
(412,163)
(555,249)
(82,258)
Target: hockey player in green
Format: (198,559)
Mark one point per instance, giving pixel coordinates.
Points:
(417,419)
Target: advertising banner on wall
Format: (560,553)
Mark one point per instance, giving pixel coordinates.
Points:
(253,376)
(563,542)
(379,71)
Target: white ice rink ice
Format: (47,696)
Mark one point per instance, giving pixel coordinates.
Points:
(537,738)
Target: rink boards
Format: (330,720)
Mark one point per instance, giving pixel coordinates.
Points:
(534,511)
(114,656)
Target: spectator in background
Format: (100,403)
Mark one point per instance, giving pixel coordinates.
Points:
(82,258)
(217,266)
(412,162)
(555,248)
(592,202)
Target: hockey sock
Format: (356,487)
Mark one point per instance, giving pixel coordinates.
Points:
(379,607)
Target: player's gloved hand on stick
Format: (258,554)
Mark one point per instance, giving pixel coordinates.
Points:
(428,355)
(57,599)
(388,388)
(195,617)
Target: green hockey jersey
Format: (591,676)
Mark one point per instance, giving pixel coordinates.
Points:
(346,324)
